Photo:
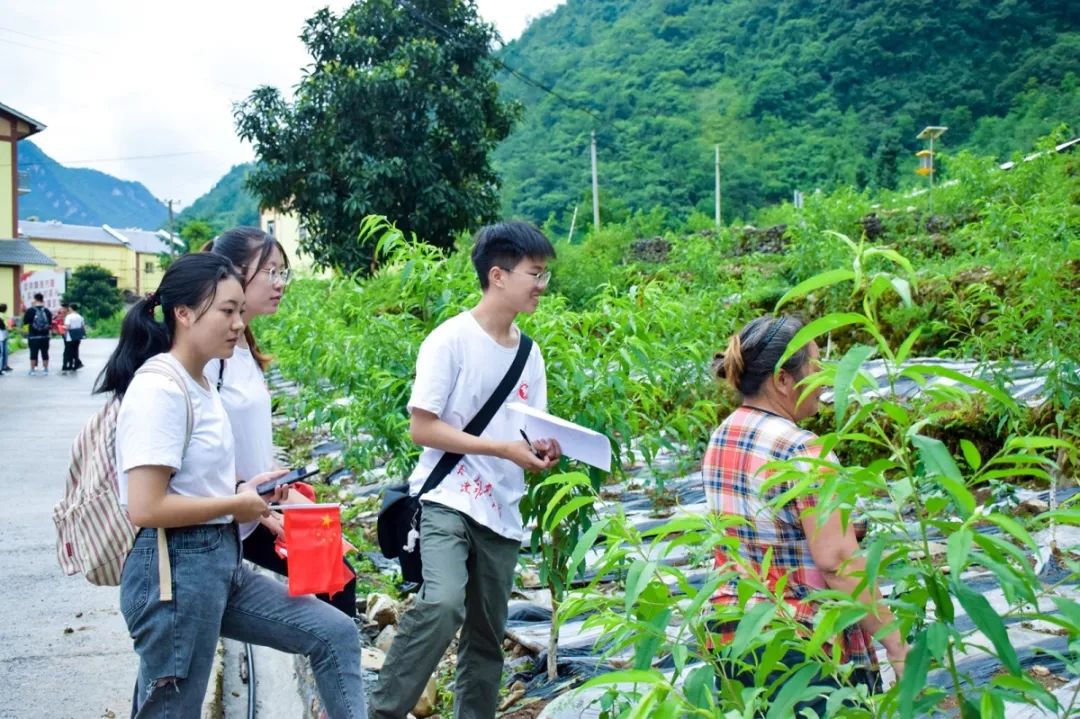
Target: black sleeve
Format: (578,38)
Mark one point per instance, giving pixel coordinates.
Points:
(28,317)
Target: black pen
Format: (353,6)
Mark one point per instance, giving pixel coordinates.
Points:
(529,442)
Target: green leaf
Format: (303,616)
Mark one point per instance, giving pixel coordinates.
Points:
(1038,443)
(909,342)
(892,255)
(1028,686)
(641,572)
(971,454)
(699,687)
(958,548)
(825,279)
(652,677)
(943,605)
(916,668)
(917,372)
(648,644)
(938,462)
(821,326)
(1070,610)
(903,288)
(1013,528)
(751,625)
(989,623)
(584,544)
(937,639)
(567,509)
(846,370)
(792,691)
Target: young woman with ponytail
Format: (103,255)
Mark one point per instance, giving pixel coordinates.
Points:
(191,491)
(811,555)
(265,267)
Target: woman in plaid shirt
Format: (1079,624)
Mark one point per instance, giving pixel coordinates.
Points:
(764,430)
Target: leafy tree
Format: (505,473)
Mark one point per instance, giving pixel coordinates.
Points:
(395,116)
(228,203)
(194,234)
(93,288)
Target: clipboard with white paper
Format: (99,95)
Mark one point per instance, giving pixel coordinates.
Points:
(577,442)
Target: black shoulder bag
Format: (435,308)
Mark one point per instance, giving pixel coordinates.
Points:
(400,512)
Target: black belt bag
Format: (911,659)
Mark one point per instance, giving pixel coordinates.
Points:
(398,524)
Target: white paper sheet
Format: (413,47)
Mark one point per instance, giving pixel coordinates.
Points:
(577,442)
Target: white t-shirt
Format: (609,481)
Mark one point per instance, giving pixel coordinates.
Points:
(150,432)
(457,369)
(74,321)
(247,402)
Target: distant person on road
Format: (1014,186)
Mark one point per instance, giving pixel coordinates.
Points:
(5,331)
(240,381)
(38,323)
(192,491)
(74,331)
(808,553)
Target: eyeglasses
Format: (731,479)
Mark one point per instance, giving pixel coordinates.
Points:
(275,275)
(541,278)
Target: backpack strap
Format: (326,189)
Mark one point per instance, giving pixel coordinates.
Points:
(480,422)
(220,374)
(159,366)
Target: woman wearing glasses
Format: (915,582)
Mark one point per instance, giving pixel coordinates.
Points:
(262,261)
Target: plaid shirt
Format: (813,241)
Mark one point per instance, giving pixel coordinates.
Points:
(747,440)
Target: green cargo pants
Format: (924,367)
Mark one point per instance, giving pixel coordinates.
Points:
(468,575)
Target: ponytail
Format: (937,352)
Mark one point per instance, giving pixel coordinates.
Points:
(729,365)
(141,337)
(190,281)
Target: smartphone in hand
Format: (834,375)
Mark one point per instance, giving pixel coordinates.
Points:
(296,475)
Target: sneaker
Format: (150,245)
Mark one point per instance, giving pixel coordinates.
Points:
(45,372)
(32,373)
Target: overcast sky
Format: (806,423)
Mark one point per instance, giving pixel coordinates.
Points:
(124,79)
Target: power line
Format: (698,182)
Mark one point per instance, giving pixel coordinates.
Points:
(118,159)
(45,39)
(42,49)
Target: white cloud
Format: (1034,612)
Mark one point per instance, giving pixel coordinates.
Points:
(128,79)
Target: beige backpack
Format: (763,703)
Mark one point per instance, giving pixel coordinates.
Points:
(93,532)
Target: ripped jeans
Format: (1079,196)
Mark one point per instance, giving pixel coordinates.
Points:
(214,595)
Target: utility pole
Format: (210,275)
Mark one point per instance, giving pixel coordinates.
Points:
(172,245)
(719,215)
(595,187)
(573,222)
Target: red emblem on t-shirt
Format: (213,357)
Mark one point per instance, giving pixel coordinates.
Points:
(523,391)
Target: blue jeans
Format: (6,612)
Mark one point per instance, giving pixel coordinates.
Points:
(3,354)
(214,595)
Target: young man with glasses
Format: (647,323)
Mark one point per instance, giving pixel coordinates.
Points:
(471,528)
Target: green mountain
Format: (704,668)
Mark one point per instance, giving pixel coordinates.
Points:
(798,95)
(80,196)
(227,204)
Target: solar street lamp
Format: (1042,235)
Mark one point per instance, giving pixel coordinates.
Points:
(926,159)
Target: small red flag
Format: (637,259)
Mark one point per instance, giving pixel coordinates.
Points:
(313,536)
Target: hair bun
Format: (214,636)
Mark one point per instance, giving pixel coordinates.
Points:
(718,365)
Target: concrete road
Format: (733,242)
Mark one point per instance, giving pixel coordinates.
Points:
(64,649)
